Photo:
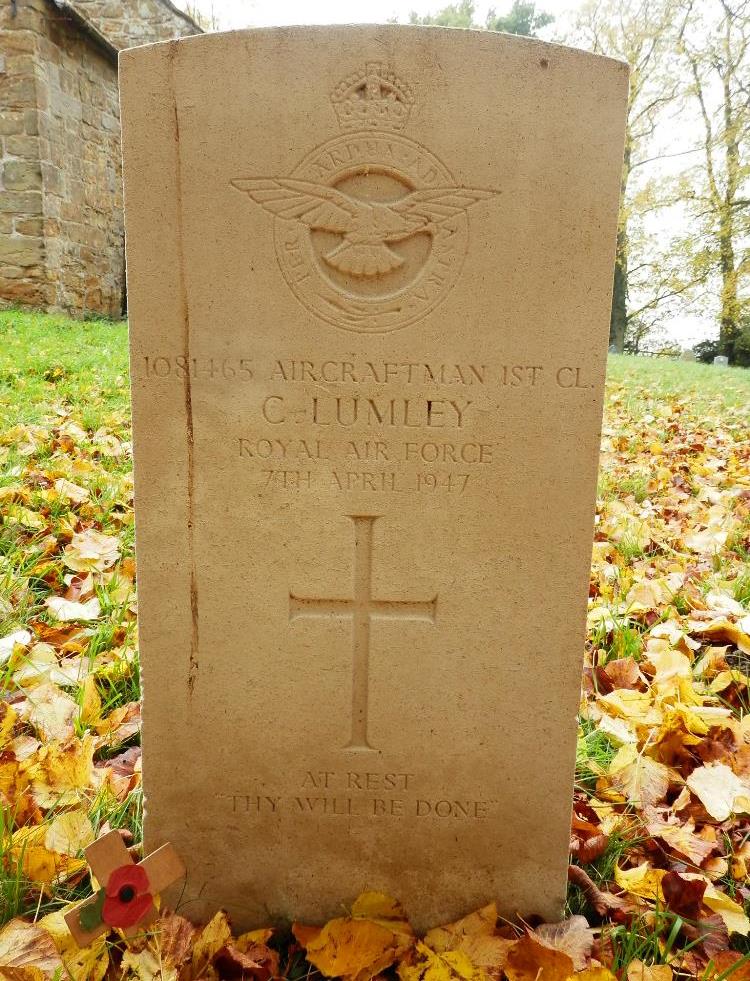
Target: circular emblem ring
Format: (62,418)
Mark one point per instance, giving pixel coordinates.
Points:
(409,275)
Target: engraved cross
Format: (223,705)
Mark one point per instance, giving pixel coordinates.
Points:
(362,610)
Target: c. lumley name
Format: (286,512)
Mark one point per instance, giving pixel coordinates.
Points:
(352,410)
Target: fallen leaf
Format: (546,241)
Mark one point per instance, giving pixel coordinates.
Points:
(720,790)
(355,950)
(642,881)
(574,937)
(530,960)
(28,945)
(67,610)
(91,551)
(683,896)
(643,781)
(451,965)
(211,939)
(9,643)
(638,971)
(81,963)
(69,833)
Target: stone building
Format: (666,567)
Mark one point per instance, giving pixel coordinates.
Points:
(61,226)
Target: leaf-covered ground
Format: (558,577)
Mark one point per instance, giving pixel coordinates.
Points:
(660,880)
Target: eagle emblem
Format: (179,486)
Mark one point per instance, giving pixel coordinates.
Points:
(367,227)
(370,228)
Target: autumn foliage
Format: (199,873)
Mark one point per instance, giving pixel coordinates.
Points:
(660,837)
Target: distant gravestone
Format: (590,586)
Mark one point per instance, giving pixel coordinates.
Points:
(721,360)
(369,287)
(688,355)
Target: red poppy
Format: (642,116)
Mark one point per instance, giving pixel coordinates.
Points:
(127,897)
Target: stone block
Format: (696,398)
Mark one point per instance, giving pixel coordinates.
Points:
(21,202)
(21,250)
(11,122)
(18,42)
(17,91)
(24,146)
(22,175)
(28,226)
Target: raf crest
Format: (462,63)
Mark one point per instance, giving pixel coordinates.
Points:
(370,228)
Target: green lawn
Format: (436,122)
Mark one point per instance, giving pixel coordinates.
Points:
(48,361)
(53,361)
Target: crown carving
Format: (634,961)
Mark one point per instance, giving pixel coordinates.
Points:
(373,98)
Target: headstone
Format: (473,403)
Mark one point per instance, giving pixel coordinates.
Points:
(369,285)
(688,355)
(721,360)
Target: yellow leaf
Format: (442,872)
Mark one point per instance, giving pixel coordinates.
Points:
(51,711)
(682,838)
(91,551)
(35,666)
(81,963)
(530,960)
(69,833)
(452,965)
(352,949)
(29,854)
(642,780)
(144,965)
(215,935)
(254,937)
(732,913)
(626,703)
(377,906)
(483,921)
(73,493)
(12,643)
(24,517)
(642,881)
(595,974)
(474,936)
(61,771)
(724,630)
(91,703)
(7,721)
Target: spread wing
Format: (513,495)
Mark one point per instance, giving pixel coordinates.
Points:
(316,205)
(438,204)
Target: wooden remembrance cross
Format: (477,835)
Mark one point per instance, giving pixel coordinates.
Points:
(362,609)
(107,855)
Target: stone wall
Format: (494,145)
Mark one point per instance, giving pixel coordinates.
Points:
(61,225)
(127,23)
(79,154)
(23,277)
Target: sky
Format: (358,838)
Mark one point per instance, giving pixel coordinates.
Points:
(268,13)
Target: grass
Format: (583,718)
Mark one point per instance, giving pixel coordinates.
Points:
(703,385)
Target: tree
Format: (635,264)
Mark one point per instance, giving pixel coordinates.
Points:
(523,18)
(714,41)
(646,277)
(207,20)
